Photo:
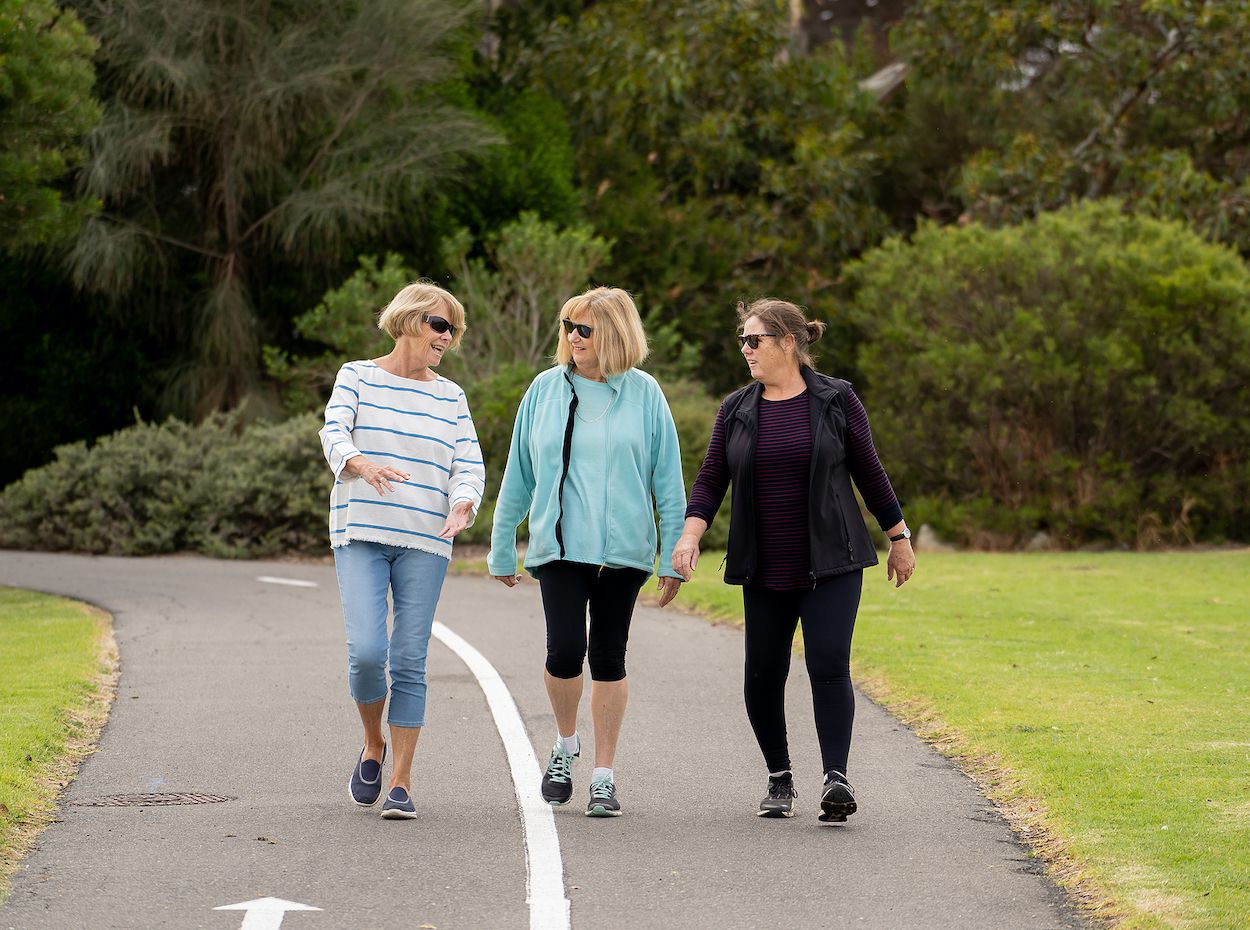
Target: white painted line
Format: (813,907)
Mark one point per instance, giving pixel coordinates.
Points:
(544,881)
(293,582)
(265,913)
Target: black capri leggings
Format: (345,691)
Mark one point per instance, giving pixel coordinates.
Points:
(828,612)
(567,589)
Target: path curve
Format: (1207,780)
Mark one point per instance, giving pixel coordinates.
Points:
(234,686)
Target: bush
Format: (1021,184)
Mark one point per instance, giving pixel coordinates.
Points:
(694,412)
(249,491)
(219,488)
(494,401)
(1086,374)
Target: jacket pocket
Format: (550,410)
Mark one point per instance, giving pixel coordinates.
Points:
(846,528)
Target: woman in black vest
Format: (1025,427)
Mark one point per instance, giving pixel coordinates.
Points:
(791,443)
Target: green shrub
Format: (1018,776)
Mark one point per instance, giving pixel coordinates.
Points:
(494,401)
(220,488)
(346,321)
(233,490)
(1086,374)
(694,412)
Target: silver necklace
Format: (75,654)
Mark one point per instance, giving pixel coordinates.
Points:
(603,414)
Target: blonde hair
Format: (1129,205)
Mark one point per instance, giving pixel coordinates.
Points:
(620,341)
(409,308)
(785,319)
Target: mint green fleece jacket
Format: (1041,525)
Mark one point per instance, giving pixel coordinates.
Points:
(644,464)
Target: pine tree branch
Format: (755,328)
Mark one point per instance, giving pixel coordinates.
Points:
(161,237)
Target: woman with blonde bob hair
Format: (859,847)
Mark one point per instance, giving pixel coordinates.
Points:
(594,455)
(408,477)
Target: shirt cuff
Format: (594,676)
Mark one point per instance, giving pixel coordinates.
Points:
(889,516)
(695,511)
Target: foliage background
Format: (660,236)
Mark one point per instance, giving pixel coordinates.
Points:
(218,222)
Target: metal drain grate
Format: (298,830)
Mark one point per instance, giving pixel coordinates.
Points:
(151,800)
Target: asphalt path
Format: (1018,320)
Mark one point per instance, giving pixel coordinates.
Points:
(237,687)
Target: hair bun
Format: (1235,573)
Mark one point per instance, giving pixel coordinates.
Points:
(815,329)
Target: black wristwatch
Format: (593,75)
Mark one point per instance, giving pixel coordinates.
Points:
(906,534)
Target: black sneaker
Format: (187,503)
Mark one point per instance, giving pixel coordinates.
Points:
(603,802)
(781,795)
(838,800)
(557,785)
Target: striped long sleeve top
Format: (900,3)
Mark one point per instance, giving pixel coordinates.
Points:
(783,454)
(423,428)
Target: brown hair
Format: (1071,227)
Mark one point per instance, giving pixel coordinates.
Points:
(785,319)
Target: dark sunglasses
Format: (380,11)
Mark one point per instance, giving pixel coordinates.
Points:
(582,329)
(753,340)
(440,326)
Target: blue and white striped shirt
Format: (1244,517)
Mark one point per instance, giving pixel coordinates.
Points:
(422,428)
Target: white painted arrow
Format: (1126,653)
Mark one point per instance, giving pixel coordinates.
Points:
(265,913)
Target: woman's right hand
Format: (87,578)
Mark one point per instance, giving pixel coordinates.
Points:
(509,580)
(686,555)
(379,477)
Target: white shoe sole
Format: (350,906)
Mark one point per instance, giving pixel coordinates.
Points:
(394,814)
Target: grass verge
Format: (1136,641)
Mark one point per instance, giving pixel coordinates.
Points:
(1101,700)
(58,674)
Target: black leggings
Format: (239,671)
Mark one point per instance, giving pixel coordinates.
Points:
(567,588)
(828,613)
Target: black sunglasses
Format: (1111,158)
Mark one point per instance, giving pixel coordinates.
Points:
(753,340)
(440,326)
(582,329)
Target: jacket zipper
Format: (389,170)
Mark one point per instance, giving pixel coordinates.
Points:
(607,496)
(811,481)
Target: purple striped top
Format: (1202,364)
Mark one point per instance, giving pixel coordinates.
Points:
(782,457)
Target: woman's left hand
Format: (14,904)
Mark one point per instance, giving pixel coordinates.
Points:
(901,563)
(668,588)
(461,516)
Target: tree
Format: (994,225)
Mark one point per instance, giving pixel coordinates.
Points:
(511,296)
(721,164)
(46,109)
(242,143)
(530,269)
(1060,99)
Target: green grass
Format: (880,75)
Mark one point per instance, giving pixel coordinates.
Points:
(1102,699)
(56,667)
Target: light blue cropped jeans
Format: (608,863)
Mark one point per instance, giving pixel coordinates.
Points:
(366,571)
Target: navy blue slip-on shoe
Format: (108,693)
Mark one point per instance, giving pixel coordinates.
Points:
(366,783)
(398,806)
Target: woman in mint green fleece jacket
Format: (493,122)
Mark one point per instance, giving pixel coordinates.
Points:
(593,447)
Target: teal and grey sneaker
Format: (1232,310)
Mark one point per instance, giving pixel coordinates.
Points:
(603,802)
(557,785)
